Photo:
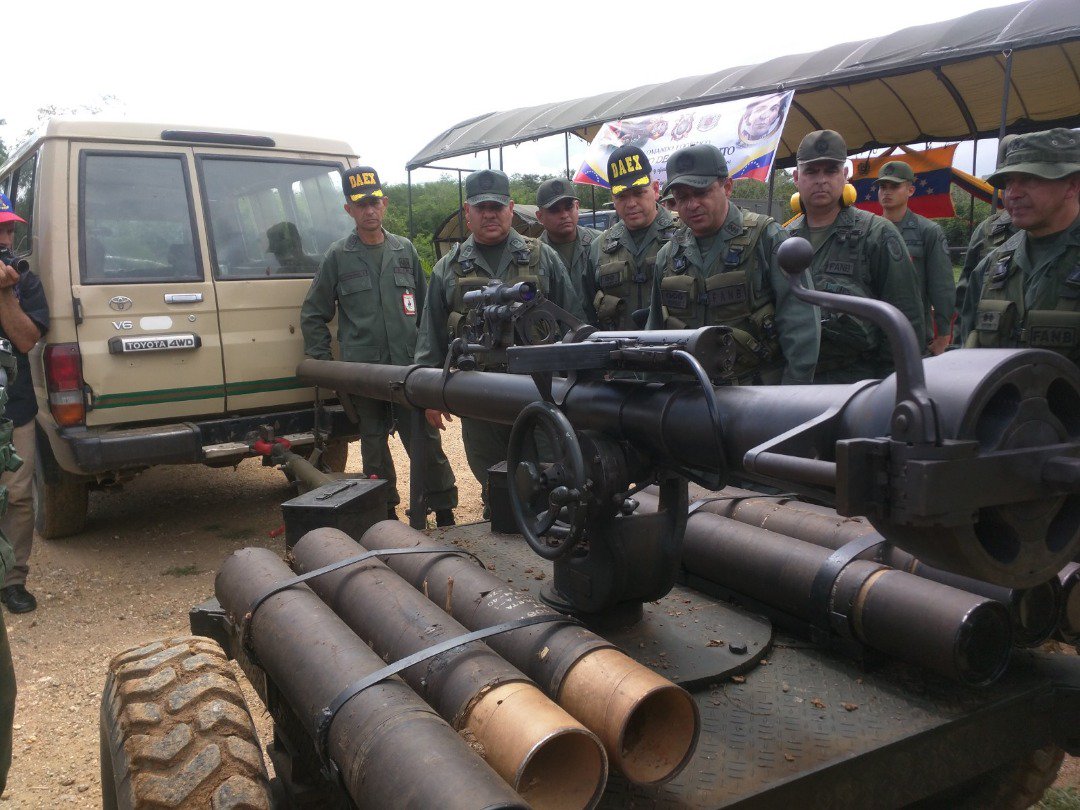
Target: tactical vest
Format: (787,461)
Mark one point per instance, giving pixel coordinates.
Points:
(623,285)
(726,297)
(842,268)
(468,276)
(1002,320)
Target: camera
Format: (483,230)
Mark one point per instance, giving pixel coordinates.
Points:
(20,264)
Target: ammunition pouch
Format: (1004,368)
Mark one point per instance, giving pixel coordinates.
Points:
(679,294)
(727,296)
(996,325)
(610,310)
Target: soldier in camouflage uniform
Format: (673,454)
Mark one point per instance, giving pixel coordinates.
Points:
(557,209)
(721,270)
(855,253)
(1026,293)
(8,462)
(624,255)
(928,250)
(493,250)
(373,280)
(989,234)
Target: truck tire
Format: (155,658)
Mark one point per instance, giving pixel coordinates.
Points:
(1012,786)
(60,498)
(176,731)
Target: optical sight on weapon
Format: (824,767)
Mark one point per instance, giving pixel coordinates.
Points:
(20,264)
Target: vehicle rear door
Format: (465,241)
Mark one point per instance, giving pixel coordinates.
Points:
(270,218)
(146,309)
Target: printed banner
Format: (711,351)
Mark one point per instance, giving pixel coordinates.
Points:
(747,131)
(933,175)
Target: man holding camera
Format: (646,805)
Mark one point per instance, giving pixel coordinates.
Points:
(24,319)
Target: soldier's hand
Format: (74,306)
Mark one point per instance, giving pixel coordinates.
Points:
(938,344)
(435,418)
(9,276)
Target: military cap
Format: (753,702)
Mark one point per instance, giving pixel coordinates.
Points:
(896,171)
(822,144)
(487,185)
(7,213)
(360,182)
(628,166)
(553,191)
(1051,155)
(1003,144)
(698,166)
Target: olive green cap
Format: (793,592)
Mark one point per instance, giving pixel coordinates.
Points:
(553,191)
(1052,155)
(699,166)
(896,171)
(822,144)
(487,185)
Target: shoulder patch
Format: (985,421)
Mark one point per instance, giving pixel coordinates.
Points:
(895,248)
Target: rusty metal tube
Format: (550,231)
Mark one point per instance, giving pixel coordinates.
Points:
(1035,611)
(647,724)
(311,655)
(961,635)
(1069,629)
(539,749)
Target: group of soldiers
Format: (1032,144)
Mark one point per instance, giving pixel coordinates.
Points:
(711,263)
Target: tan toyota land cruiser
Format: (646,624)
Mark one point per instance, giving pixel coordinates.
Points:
(175,331)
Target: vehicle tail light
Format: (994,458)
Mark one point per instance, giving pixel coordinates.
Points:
(64,381)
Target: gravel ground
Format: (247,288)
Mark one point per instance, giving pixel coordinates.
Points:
(148,554)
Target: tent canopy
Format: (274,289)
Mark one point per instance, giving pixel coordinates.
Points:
(936,82)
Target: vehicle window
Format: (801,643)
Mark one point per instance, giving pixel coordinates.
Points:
(271,217)
(135,219)
(21,194)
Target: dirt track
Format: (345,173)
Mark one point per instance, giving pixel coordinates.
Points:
(148,554)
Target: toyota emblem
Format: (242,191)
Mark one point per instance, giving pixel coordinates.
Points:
(121,303)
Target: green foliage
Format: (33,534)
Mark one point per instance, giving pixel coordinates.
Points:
(433,202)
(958,228)
(1060,799)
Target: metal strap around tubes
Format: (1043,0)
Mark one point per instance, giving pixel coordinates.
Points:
(322,732)
(830,571)
(696,505)
(245,624)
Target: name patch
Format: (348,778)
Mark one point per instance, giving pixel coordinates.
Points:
(1052,336)
(836,268)
(735,294)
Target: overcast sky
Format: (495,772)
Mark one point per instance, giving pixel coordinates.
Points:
(388,76)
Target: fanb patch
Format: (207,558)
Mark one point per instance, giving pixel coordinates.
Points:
(836,268)
(733,294)
(1052,337)
(610,279)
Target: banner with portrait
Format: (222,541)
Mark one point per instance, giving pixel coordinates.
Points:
(747,131)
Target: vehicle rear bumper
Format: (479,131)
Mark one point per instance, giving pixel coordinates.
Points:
(98,451)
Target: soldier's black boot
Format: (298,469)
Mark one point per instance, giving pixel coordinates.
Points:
(445,517)
(391,513)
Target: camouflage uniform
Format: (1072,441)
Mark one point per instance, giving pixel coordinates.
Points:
(989,234)
(744,288)
(580,268)
(1013,302)
(461,270)
(624,270)
(860,254)
(377,310)
(926,245)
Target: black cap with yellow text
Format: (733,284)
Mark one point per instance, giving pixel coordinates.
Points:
(628,166)
(360,182)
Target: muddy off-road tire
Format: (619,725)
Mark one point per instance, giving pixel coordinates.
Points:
(1014,786)
(176,731)
(60,498)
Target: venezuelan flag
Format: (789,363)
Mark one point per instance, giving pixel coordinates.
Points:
(933,176)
